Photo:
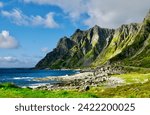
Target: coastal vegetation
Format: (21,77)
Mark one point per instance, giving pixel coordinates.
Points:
(136,85)
(137,90)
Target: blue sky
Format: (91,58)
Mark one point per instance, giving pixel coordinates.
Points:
(31,28)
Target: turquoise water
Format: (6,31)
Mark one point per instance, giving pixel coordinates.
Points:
(24,77)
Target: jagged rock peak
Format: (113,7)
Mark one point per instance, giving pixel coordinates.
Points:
(96,26)
(147,16)
(63,39)
(78,30)
(129,27)
(65,42)
(98,29)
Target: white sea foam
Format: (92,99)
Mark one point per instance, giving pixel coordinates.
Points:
(19,78)
(37,85)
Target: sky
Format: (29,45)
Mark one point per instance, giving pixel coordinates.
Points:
(29,29)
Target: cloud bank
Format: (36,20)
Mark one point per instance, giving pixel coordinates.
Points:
(8,59)
(7,41)
(72,7)
(17,17)
(11,61)
(105,13)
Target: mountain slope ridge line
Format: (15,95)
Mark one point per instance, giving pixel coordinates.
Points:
(98,46)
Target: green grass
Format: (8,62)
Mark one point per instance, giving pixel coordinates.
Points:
(137,90)
(9,90)
(139,70)
(134,77)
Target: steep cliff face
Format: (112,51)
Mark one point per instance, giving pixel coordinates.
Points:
(63,47)
(122,38)
(137,53)
(91,43)
(128,44)
(81,49)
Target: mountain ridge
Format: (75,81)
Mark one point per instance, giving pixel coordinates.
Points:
(98,46)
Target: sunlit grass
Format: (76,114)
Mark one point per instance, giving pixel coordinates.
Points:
(9,90)
(136,90)
(134,77)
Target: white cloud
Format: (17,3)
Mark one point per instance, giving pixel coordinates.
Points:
(8,59)
(74,8)
(7,41)
(11,61)
(1,4)
(16,16)
(48,21)
(113,13)
(105,13)
(19,18)
(45,50)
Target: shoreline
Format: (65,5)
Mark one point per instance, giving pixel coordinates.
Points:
(80,81)
(64,82)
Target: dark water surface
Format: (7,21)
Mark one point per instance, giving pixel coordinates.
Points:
(24,77)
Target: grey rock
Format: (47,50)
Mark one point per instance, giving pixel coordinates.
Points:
(86,88)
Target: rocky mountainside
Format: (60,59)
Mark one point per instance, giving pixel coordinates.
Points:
(137,52)
(128,44)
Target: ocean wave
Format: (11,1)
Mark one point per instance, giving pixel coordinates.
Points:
(23,78)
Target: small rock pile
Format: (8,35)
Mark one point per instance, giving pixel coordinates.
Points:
(108,70)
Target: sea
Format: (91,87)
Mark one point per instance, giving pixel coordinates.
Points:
(24,77)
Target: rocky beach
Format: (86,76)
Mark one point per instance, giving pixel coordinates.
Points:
(101,76)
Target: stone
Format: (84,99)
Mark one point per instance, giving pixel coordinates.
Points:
(77,87)
(102,69)
(86,88)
